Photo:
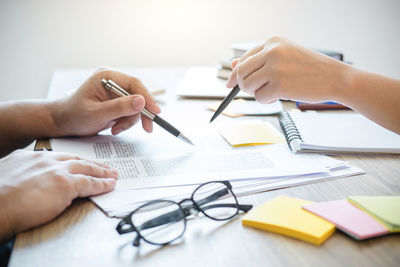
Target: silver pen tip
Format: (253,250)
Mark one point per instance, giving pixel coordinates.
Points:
(185,139)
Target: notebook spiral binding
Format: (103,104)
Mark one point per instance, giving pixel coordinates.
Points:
(292,134)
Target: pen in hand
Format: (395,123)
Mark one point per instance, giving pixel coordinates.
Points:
(226,102)
(118,90)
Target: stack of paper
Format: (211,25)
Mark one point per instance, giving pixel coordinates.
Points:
(157,165)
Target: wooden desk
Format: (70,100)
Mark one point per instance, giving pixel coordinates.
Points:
(84,236)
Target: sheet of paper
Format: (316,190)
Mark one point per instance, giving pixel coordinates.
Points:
(242,107)
(251,132)
(348,218)
(284,215)
(386,209)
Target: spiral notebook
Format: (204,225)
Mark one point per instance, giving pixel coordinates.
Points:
(337,133)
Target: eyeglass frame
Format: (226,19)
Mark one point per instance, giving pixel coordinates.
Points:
(185,211)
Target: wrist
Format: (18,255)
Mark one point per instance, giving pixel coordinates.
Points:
(345,85)
(57,119)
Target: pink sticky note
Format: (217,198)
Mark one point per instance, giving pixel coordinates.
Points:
(348,218)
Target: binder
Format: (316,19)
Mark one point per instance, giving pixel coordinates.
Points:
(336,133)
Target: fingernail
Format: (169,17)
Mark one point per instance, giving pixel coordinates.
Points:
(137,101)
(115,172)
(116,131)
(111,182)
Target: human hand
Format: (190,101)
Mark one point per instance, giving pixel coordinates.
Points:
(37,186)
(92,108)
(280,69)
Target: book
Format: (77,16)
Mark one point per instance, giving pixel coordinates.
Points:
(320,106)
(202,82)
(336,133)
(284,215)
(386,209)
(348,218)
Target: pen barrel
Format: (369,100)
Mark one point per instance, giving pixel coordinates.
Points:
(168,127)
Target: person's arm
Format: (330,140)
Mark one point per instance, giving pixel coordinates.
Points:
(280,69)
(89,110)
(37,186)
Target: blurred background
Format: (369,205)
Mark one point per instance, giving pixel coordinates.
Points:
(40,36)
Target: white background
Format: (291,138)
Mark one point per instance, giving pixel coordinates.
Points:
(37,37)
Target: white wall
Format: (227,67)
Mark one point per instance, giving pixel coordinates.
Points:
(38,36)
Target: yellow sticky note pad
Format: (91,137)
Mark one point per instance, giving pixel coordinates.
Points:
(246,133)
(284,215)
(386,209)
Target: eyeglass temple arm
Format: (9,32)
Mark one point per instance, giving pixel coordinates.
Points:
(212,197)
(244,207)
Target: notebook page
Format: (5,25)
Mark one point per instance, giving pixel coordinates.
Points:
(344,132)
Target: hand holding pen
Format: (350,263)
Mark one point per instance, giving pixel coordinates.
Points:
(118,90)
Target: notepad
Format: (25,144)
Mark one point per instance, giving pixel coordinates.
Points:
(284,215)
(386,209)
(348,218)
(254,132)
(337,133)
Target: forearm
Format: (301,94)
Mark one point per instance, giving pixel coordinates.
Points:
(375,96)
(21,122)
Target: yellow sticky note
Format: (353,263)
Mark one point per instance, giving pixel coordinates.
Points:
(284,215)
(246,133)
(386,209)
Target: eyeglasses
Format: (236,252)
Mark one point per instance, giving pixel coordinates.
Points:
(161,222)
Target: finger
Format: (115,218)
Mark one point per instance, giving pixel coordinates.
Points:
(246,68)
(133,86)
(85,186)
(147,124)
(61,156)
(232,79)
(234,62)
(254,81)
(91,169)
(125,123)
(266,94)
(121,107)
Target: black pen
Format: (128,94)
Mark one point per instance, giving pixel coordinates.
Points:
(226,102)
(116,89)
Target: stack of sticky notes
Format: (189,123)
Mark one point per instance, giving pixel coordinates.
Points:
(361,217)
(284,215)
(252,132)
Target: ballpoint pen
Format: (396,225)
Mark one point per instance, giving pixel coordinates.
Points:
(116,89)
(226,102)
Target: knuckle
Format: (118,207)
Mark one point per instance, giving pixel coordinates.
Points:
(240,71)
(275,39)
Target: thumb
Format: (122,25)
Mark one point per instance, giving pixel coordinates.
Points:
(122,107)
(232,79)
